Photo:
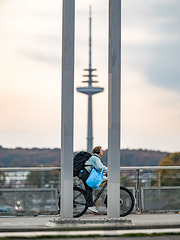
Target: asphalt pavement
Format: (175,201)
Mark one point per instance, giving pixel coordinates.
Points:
(144,224)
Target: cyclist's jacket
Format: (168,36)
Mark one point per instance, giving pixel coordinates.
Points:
(95,162)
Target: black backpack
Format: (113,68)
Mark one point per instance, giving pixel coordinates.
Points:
(79,160)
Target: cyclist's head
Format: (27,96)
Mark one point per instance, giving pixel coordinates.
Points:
(98,150)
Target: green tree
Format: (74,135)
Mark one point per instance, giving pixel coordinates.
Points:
(34,179)
(126,181)
(40,179)
(2,179)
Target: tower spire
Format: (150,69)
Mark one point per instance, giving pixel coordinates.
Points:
(90,90)
(90,42)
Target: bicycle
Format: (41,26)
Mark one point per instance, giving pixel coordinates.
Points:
(80,205)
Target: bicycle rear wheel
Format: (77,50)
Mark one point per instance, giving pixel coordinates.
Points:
(126,202)
(79,202)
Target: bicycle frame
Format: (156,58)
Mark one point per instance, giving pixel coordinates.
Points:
(126,199)
(101,191)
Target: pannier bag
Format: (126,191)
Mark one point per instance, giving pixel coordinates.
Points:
(79,160)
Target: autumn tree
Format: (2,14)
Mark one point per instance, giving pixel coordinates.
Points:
(170,177)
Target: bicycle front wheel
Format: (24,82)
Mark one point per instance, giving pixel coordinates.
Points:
(126,202)
(79,202)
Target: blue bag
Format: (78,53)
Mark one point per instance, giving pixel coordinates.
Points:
(95,178)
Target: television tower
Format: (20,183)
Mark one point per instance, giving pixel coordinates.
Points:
(90,90)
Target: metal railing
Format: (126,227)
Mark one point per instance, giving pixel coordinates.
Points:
(138,189)
(141,193)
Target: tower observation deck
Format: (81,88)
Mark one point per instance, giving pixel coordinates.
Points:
(90,90)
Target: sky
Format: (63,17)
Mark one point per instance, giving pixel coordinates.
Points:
(30,73)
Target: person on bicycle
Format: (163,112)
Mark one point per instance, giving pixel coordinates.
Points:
(93,162)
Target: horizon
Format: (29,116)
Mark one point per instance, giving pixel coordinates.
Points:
(138,149)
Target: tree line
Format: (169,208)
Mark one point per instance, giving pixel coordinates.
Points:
(24,157)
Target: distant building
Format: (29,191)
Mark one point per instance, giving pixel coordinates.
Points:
(16,178)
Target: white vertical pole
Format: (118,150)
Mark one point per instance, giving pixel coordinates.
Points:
(67,110)
(114,89)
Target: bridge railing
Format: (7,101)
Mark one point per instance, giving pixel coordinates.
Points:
(35,190)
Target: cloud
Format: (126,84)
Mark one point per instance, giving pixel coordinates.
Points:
(42,56)
(164,70)
(151,40)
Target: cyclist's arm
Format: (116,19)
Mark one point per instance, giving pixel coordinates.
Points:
(98,165)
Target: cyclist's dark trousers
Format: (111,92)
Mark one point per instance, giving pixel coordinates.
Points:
(89,190)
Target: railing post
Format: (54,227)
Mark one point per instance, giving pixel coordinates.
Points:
(138,192)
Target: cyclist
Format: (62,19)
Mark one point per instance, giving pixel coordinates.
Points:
(93,162)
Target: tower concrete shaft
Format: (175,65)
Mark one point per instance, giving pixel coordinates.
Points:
(90,90)
(90,125)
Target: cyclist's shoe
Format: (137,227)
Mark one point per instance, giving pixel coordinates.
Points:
(93,209)
(105,177)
